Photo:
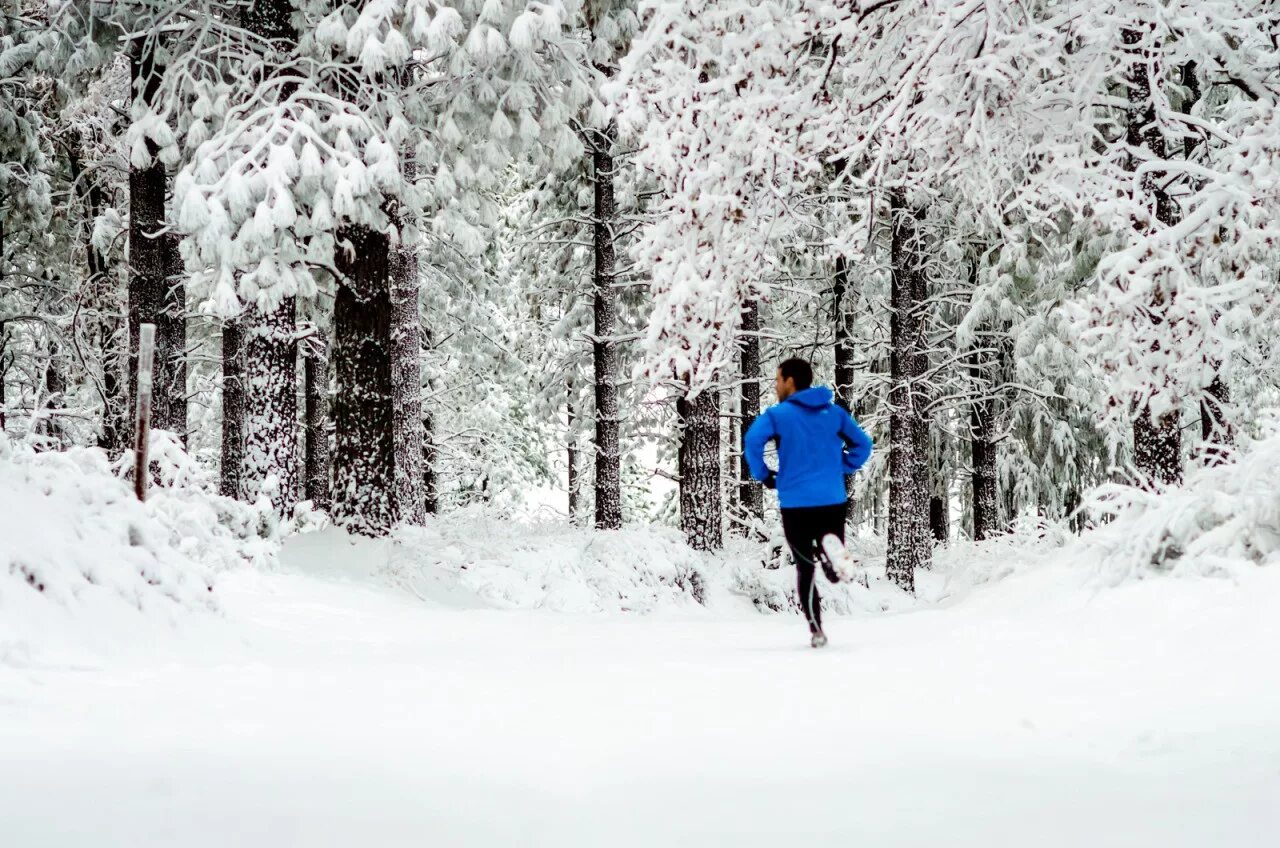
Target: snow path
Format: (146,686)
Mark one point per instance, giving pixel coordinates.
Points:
(327,712)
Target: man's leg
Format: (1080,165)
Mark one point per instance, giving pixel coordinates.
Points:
(798,527)
(830,520)
(807,589)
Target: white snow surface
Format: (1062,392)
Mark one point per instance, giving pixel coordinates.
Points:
(380,694)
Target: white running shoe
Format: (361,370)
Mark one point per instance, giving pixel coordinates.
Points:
(818,640)
(842,562)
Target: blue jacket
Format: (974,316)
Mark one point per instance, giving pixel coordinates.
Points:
(818,444)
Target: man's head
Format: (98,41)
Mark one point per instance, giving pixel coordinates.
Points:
(794,375)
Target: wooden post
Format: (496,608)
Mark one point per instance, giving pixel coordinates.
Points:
(142,420)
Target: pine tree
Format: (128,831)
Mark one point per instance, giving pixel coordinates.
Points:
(363,409)
(157,293)
(608,474)
(909,550)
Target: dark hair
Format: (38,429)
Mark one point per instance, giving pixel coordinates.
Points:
(798,370)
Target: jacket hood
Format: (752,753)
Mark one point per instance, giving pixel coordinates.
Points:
(814,397)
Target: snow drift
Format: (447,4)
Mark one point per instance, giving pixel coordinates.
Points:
(83,562)
(1221,519)
(480,558)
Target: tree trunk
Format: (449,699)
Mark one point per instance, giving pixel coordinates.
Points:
(699,461)
(1157,442)
(1157,448)
(363,461)
(982,449)
(269,19)
(232,454)
(604,353)
(315,393)
(939,520)
(156,293)
(406,376)
(268,345)
(114,424)
(55,387)
(571,450)
(750,493)
(908,548)
(4,344)
(4,341)
(842,296)
(430,486)
(1215,430)
(270,392)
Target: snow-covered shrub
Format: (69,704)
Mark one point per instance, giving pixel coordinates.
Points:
(481,557)
(80,557)
(964,564)
(1221,518)
(550,565)
(215,531)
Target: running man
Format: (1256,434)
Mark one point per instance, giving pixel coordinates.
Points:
(818,445)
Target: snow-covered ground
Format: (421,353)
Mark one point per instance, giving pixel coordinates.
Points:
(321,707)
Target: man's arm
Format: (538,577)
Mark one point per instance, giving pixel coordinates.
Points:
(857,440)
(758,435)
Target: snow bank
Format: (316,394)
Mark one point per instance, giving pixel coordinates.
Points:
(82,562)
(481,559)
(1220,520)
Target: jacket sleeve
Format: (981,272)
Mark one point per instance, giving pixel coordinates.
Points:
(857,442)
(758,435)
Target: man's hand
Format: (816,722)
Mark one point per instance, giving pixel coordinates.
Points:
(770,482)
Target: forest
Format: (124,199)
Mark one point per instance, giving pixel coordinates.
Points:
(476,300)
(408,256)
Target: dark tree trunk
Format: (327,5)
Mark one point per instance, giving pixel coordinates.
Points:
(750,493)
(908,547)
(982,449)
(843,297)
(232,462)
(156,292)
(921,395)
(269,19)
(1215,430)
(571,449)
(939,520)
(55,387)
(430,486)
(1157,448)
(4,344)
(1157,441)
(4,341)
(363,460)
(114,423)
(986,497)
(270,388)
(699,461)
(315,393)
(269,348)
(406,375)
(608,449)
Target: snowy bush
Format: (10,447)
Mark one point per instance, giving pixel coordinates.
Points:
(473,556)
(80,557)
(550,565)
(1221,518)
